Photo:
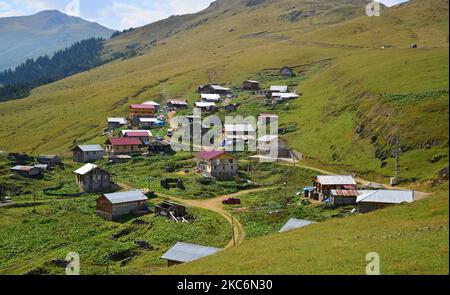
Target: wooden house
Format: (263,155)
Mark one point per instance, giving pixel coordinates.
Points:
(380,199)
(87,153)
(214,89)
(217,164)
(184,253)
(123,146)
(177,104)
(117,205)
(50,160)
(160,147)
(287,72)
(27,171)
(323,184)
(116,123)
(153,103)
(251,85)
(143,135)
(267,143)
(142,111)
(92,179)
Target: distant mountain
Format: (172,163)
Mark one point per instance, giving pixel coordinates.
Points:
(43,33)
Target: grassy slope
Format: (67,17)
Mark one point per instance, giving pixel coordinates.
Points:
(57,116)
(411,239)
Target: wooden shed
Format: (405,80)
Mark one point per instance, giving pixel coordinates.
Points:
(116,205)
(26,171)
(323,184)
(87,153)
(92,179)
(287,72)
(251,85)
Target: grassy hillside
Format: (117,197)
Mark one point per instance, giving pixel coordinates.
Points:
(410,239)
(364,94)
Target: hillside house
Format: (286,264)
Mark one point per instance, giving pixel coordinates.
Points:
(278,89)
(279,97)
(142,111)
(287,72)
(148,123)
(153,103)
(177,104)
(184,253)
(217,164)
(345,197)
(323,184)
(87,153)
(27,171)
(205,97)
(116,205)
(251,85)
(123,146)
(50,160)
(380,199)
(214,89)
(206,106)
(239,132)
(294,223)
(160,147)
(267,118)
(144,136)
(116,123)
(267,143)
(92,179)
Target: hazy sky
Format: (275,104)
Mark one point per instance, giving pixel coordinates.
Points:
(115,14)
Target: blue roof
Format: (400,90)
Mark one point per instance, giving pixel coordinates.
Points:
(126,197)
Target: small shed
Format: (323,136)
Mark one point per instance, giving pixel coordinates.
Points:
(26,171)
(279,89)
(251,85)
(213,88)
(206,97)
(116,123)
(375,200)
(184,253)
(345,197)
(50,160)
(206,106)
(116,205)
(87,153)
(177,104)
(294,223)
(169,209)
(287,72)
(160,147)
(92,179)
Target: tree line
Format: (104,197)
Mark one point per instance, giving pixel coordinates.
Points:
(81,56)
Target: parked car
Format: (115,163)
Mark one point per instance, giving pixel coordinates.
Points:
(232,201)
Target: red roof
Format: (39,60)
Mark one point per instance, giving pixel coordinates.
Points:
(124,141)
(137,134)
(209,155)
(142,106)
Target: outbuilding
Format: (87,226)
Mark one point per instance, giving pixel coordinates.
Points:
(278,88)
(251,85)
(123,146)
(345,197)
(323,184)
(213,88)
(267,143)
(116,123)
(160,147)
(184,253)
(206,106)
(92,179)
(177,104)
(380,199)
(50,160)
(26,171)
(287,72)
(217,164)
(87,153)
(115,205)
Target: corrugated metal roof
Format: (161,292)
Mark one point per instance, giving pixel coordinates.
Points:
(91,148)
(85,169)
(239,128)
(151,102)
(126,197)
(279,88)
(23,168)
(387,196)
(122,121)
(294,223)
(218,87)
(336,179)
(286,95)
(184,252)
(205,104)
(137,131)
(349,193)
(178,102)
(215,97)
(252,81)
(142,106)
(124,141)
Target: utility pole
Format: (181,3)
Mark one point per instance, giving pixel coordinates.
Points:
(34,200)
